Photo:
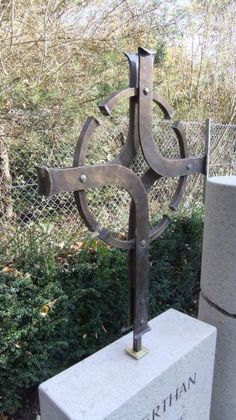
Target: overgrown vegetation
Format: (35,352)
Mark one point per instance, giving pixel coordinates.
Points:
(56,310)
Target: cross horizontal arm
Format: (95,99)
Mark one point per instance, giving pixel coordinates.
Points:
(58,180)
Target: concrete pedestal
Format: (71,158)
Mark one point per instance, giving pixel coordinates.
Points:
(173,381)
(218,286)
(224,387)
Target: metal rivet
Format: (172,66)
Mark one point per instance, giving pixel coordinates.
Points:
(142,301)
(83,178)
(143,243)
(146,91)
(142,322)
(189,166)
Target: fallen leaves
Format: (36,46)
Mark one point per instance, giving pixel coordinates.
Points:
(47,307)
(11,269)
(20,344)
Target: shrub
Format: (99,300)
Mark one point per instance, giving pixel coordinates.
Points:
(54,311)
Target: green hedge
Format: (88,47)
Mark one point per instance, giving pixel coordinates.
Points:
(55,311)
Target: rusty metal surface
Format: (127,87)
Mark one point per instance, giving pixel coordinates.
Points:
(81,177)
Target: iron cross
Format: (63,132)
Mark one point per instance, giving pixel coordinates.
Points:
(80,177)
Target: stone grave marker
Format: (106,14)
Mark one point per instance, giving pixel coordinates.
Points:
(173,381)
(218,289)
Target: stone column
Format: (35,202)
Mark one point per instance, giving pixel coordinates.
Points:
(218,289)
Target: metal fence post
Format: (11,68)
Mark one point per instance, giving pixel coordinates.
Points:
(207,151)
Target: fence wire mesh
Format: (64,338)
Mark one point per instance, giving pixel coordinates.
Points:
(222,150)
(28,139)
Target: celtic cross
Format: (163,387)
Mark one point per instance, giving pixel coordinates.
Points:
(117,172)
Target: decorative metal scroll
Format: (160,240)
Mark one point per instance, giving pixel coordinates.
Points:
(80,177)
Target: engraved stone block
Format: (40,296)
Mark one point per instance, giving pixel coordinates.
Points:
(172,381)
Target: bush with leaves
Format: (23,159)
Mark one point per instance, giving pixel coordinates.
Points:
(54,311)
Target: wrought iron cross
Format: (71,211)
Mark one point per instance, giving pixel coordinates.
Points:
(118,173)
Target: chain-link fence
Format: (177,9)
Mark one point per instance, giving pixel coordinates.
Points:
(222,150)
(30,139)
